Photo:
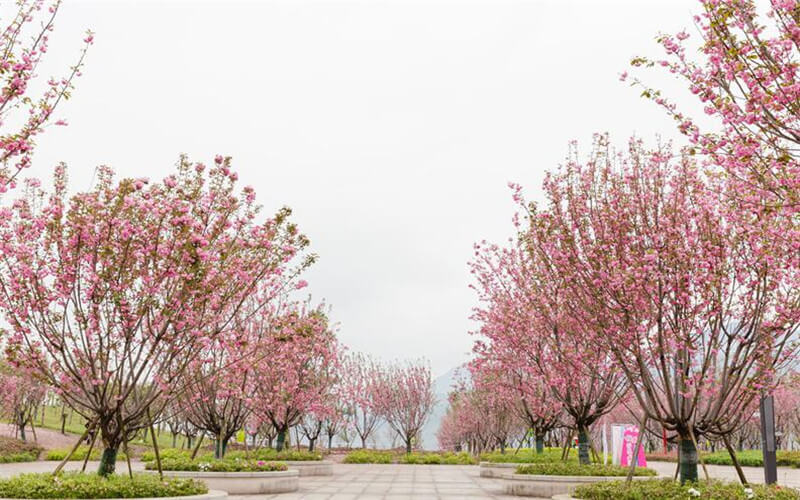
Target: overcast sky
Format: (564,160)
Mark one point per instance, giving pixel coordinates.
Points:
(391,128)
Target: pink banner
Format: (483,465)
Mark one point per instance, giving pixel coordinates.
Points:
(629,439)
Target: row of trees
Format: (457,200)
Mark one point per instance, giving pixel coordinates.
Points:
(140,303)
(662,275)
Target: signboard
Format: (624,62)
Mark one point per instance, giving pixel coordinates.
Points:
(629,438)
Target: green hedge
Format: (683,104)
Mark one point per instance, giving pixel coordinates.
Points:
(369,457)
(574,469)
(78,485)
(58,454)
(443,458)
(16,450)
(416,458)
(753,458)
(667,489)
(266,454)
(224,465)
(527,456)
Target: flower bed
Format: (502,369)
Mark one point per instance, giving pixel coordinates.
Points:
(236,476)
(570,469)
(225,465)
(548,479)
(667,489)
(16,450)
(91,486)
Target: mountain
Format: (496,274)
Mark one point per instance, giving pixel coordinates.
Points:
(441,386)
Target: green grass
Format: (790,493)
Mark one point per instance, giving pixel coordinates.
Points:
(575,469)
(369,457)
(746,458)
(78,485)
(52,421)
(667,489)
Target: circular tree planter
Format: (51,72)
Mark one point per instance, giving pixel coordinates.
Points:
(497,469)
(211,495)
(533,485)
(243,483)
(311,467)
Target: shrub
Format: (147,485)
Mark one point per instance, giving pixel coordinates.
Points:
(527,455)
(285,455)
(168,453)
(78,485)
(16,450)
(58,454)
(667,489)
(574,469)
(224,465)
(446,458)
(369,457)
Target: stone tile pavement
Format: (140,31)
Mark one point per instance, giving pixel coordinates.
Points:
(395,482)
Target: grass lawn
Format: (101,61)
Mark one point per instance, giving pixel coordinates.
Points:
(76,425)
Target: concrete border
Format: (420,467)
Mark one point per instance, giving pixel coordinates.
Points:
(547,486)
(310,467)
(497,469)
(211,495)
(244,483)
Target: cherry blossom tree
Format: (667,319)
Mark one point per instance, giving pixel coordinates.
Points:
(698,309)
(746,75)
(24,41)
(360,382)
(20,396)
(297,368)
(405,399)
(113,293)
(528,327)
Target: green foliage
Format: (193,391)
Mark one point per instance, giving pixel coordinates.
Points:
(575,469)
(528,455)
(667,489)
(169,453)
(443,458)
(753,458)
(78,485)
(369,457)
(16,450)
(224,465)
(416,458)
(58,454)
(271,454)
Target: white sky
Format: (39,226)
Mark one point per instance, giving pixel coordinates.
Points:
(391,128)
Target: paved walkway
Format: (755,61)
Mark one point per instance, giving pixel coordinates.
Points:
(408,482)
(397,482)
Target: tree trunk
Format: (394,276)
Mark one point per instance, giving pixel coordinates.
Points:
(408,444)
(330,441)
(108,462)
(281,440)
(311,444)
(539,444)
(687,457)
(22,431)
(583,445)
(363,442)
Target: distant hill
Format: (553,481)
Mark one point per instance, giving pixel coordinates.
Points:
(441,386)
